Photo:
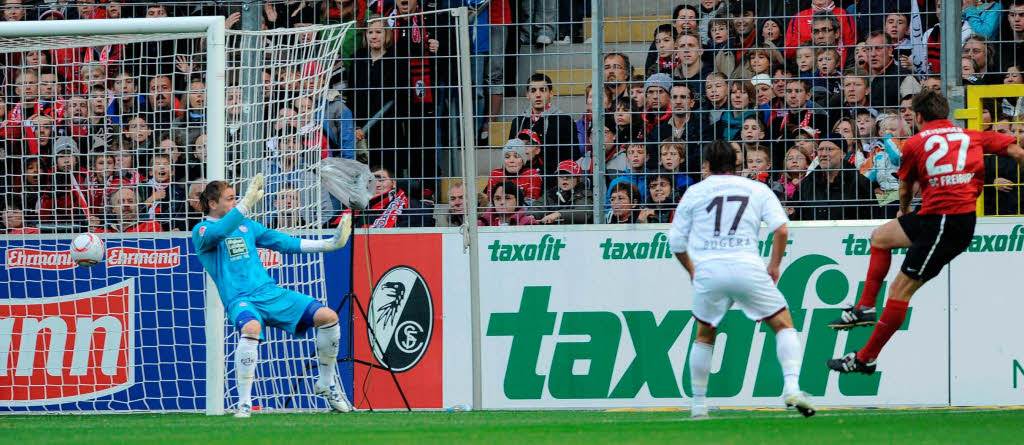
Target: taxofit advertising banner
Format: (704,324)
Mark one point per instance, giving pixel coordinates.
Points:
(596,319)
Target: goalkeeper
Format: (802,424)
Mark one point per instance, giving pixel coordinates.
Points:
(226,243)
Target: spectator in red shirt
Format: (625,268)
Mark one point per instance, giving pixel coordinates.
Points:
(65,201)
(123,211)
(824,33)
(514,169)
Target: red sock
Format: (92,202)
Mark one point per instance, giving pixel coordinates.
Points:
(892,318)
(878,267)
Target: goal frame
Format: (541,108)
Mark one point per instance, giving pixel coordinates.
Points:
(216,62)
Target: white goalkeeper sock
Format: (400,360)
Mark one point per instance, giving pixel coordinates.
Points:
(787,346)
(700,369)
(246,357)
(327,338)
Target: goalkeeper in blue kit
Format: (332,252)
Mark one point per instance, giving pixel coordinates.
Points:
(226,243)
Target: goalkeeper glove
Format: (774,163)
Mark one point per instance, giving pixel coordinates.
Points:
(341,238)
(333,243)
(254,193)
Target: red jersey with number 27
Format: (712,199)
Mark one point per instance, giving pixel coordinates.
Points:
(947,161)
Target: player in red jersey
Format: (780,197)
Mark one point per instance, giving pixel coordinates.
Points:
(946,162)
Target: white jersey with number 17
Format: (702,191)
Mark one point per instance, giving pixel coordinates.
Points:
(720,217)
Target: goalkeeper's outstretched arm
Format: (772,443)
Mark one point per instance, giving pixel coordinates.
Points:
(274,240)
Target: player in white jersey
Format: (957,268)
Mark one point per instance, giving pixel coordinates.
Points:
(714,235)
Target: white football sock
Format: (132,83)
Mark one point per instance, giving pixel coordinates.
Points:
(246,357)
(327,338)
(787,346)
(700,369)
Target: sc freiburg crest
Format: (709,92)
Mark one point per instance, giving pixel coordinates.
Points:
(401,315)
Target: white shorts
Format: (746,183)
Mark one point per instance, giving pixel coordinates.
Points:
(719,284)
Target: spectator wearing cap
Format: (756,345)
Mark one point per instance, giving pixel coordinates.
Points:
(534,158)
(123,214)
(856,84)
(763,91)
(684,125)
(656,91)
(661,199)
(557,130)
(65,198)
(515,170)
(569,202)
(805,139)
(835,190)
(507,208)
(770,28)
(801,29)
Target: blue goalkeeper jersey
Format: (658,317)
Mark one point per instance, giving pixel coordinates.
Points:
(227,250)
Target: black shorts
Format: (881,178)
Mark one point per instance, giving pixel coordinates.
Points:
(935,241)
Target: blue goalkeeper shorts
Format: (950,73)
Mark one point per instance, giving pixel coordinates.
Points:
(280,308)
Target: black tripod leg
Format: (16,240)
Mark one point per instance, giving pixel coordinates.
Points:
(373,336)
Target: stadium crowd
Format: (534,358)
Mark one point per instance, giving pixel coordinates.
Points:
(813,95)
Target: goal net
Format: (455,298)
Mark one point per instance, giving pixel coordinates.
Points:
(114,127)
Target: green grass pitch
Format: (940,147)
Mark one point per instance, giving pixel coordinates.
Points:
(918,426)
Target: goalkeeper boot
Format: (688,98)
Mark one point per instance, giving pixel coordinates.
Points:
(244,411)
(800,402)
(853,317)
(850,363)
(335,396)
